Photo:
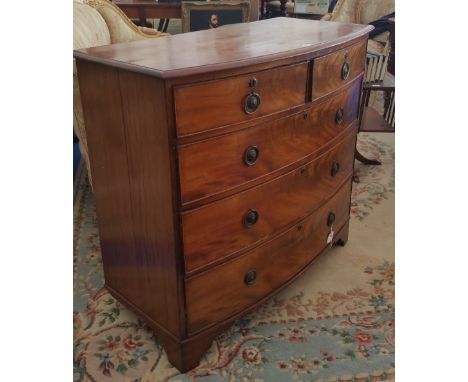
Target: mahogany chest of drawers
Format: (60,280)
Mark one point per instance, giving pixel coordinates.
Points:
(221,165)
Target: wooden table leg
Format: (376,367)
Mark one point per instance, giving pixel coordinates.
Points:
(161,25)
(283,7)
(361,158)
(166,24)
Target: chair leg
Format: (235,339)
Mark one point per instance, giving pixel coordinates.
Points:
(161,25)
(361,158)
(166,24)
(283,8)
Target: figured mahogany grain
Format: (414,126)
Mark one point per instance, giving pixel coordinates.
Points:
(221,291)
(129,153)
(327,69)
(203,166)
(214,104)
(215,231)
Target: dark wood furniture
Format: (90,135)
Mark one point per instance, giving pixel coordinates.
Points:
(391,58)
(150,9)
(373,120)
(222,166)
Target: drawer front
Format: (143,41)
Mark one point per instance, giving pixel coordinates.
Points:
(337,69)
(216,165)
(238,284)
(246,218)
(219,103)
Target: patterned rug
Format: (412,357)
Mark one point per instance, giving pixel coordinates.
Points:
(335,323)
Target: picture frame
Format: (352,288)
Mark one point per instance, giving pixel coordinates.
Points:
(202,15)
(315,7)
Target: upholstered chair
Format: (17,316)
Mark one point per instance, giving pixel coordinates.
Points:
(355,12)
(364,12)
(96,23)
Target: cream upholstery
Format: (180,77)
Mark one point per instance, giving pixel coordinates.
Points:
(364,12)
(360,11)
(96,23)
(355,12)
(89,28)
(371,10)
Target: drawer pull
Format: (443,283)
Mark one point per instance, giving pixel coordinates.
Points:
(339,116)
(251,155)
(345,71)
(250,218)
(250,277)
(251,103)
(330,219)
(253,82)
(335,168)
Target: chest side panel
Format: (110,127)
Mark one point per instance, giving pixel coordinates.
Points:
(126,123)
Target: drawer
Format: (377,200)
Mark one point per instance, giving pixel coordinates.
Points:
(230,288)
(248,217)
(214,104)
(337,69)
(219,164)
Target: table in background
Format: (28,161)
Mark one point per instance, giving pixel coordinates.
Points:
(164,11)
(150,9)
(391,57)
(371,121)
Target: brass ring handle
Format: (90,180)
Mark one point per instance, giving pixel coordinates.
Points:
(251,155)
(250,277)
(252,103)
(335,168)
(339,116)
(330,219)
(345,71)
(250,218)
(253,82)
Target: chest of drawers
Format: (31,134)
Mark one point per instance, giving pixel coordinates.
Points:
(222,165)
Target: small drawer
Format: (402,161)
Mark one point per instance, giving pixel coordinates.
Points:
(212,166)
(218,103)
(337,69)
(236,285)
(246,218)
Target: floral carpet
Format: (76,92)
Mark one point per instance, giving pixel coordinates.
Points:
(334,323)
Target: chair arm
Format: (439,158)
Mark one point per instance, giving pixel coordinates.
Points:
(150,32)
(383,37)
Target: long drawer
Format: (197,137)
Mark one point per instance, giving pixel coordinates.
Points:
(337,69)
(233,286)
(216,165)
(214,104)
(222,228)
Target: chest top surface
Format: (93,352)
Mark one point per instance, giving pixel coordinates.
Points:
(228,47)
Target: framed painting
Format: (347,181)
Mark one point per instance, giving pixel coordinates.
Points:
(317,7)
(200,15)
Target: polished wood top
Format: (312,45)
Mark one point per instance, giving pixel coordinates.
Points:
(229,47)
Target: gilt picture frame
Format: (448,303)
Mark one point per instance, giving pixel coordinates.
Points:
(201,15)
(316,7)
